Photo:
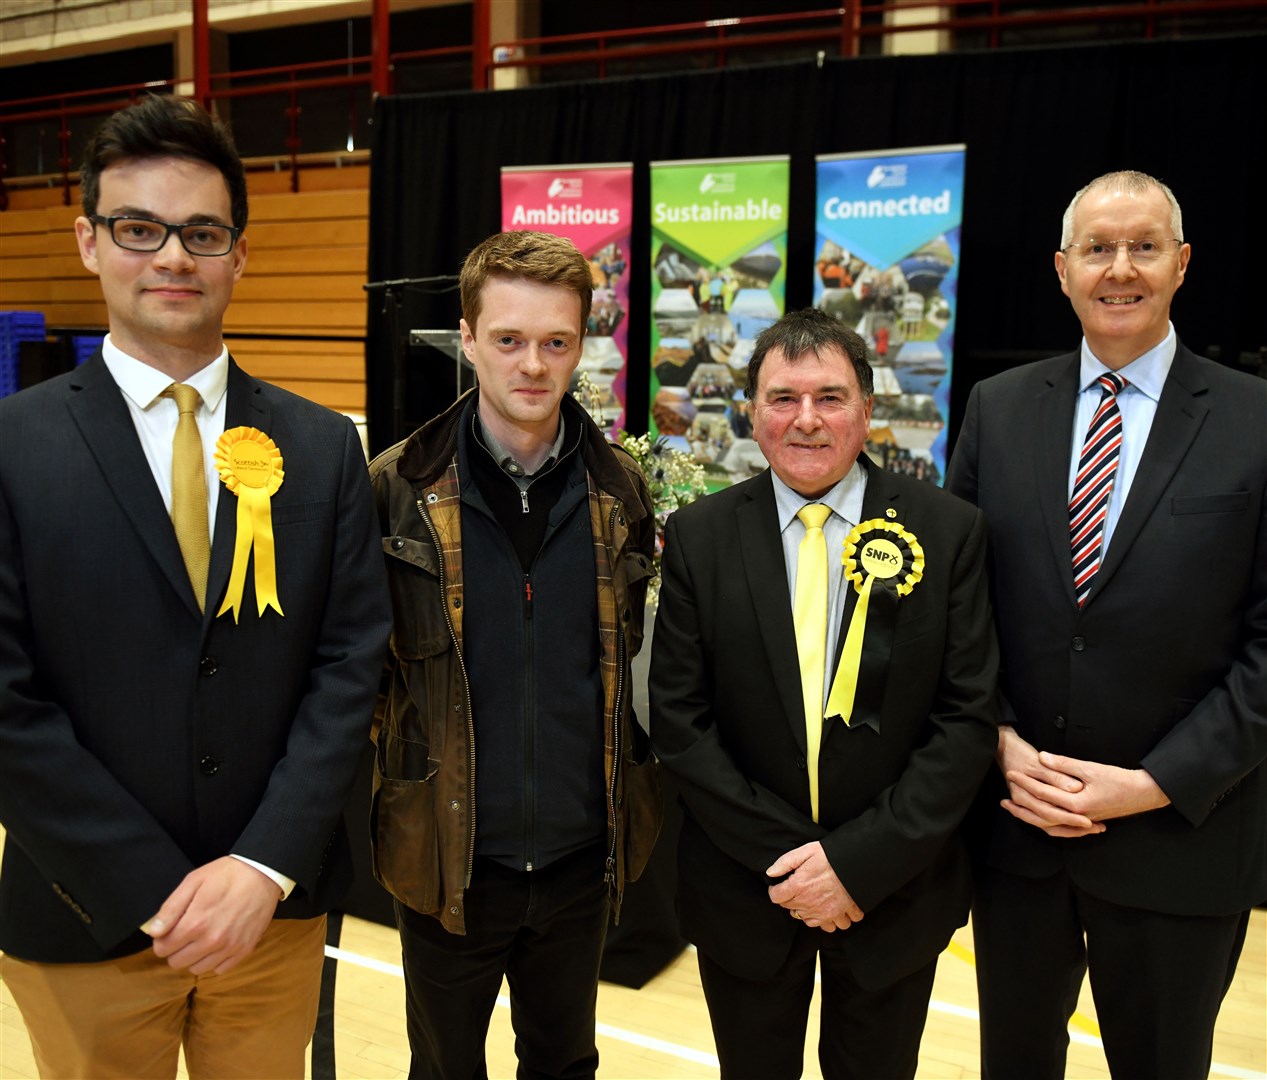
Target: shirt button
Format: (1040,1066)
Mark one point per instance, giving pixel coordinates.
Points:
(208,766)
(1079,643)
(208,666)
(453,910)
(455,805)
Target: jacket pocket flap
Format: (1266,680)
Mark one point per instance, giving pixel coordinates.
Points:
(1225,503)
(419,553)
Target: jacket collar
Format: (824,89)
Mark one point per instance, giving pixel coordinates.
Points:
(428,451)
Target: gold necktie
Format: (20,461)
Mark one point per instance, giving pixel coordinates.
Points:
(809,615)
(189,491)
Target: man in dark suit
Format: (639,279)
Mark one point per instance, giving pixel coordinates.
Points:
(182,708)
(852,860)
(1126,826)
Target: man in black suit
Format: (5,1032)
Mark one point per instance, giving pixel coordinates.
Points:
(1126,826)
(182,707)
(852,861)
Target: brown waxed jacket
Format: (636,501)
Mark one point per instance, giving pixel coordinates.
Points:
(422,815)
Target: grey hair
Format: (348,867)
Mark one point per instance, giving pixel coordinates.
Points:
(1124,180)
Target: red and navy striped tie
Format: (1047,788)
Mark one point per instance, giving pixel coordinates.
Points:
(1093,486)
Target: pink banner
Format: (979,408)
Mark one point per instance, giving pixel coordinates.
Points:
(591,205)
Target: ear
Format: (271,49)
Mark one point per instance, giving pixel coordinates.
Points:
(1062,269)
(1185,253)
(468,340)
(86,237)
(238,255)
(866,412)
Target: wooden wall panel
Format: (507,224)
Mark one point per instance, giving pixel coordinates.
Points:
(305,267)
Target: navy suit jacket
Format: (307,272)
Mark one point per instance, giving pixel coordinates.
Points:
(727,719)
(140,738)
(1165,666)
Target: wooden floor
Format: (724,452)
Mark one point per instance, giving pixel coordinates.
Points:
(661,1031)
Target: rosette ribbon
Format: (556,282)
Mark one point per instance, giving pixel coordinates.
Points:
(884,562)
(250,466)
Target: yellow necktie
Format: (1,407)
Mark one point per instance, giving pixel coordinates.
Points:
(809,615)
(189,491)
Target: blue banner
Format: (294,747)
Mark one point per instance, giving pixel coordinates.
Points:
(887,265)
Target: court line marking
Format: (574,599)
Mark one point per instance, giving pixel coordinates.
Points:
(701,1057)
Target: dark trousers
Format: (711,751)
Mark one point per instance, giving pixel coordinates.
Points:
(543,930)
(759,1024)
(1157,979)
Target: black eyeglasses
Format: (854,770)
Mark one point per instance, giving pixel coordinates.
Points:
(146,234)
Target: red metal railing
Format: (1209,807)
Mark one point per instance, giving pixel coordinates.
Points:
(838,28)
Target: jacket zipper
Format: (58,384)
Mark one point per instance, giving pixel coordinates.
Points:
(609,875)
(530,795)
(466,686)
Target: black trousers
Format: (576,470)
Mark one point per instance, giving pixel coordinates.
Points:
(1157,979)
(759,1024)
(543,930)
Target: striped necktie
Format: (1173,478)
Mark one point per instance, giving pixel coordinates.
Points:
(189,491)
(809,616)
(1093,485)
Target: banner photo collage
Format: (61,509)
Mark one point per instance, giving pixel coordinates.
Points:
(591,205)
(886,264)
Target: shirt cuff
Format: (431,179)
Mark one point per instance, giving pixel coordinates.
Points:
(281,880)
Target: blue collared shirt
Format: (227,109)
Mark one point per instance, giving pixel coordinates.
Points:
(1137,404)
(845,500)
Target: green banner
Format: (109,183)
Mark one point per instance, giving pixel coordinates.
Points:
(719,263)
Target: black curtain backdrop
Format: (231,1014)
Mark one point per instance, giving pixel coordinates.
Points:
(1038,124)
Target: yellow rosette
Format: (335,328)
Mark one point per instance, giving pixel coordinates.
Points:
(883,561)
(251,467)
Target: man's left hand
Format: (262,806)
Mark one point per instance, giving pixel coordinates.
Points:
(1107,791)
(215,917)
(813,892)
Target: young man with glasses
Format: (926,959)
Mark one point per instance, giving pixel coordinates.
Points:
(1125,830)
(193,615)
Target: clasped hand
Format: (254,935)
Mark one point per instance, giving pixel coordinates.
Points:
(812,892)
(1069,797)
(215,917)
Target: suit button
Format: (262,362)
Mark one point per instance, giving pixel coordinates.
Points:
(208,666)
(800,762)
(1079,643)
(397,543)
(208,766)
(1060,723)
(453,910)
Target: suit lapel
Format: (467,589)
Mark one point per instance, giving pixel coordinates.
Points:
(1052,443)
(1180,413)
(246,407)
(761,549)
(97,407)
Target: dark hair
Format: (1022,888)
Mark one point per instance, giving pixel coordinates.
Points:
(810,331)
(534,256)
(163,126)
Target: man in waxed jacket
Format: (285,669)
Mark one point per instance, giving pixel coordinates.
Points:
(514,795)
